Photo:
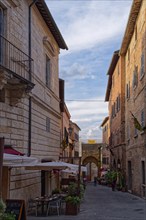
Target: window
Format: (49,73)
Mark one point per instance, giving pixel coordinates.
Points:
(128,90)
(1,33)
(135,77)
(142,70)
(118,70)
(113,81)
(48,73)
(129,180)
(1,21)
(119,102)
(142,119)
(105,160)
(48,124)
(128,133)
(76,154)
(2,95)
(136,33)
(129,54)
(76,137)
(114,110)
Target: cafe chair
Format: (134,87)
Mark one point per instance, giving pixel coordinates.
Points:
(31,205)
(38,205)
(62,205)
(54,206)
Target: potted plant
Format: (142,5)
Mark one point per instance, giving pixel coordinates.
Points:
(55,191)
(3,214)
(72,205)
(75,194)
(121,182)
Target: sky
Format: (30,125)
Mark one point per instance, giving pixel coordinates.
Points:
(92,30)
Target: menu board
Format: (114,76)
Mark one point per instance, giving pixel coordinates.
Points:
(17,207)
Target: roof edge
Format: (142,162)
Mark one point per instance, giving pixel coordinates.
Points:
(50,22)
(130,25)
(111,69)
(104,121)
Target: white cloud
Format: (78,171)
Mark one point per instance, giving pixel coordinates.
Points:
(90,29)
(77,71)
(94,23)
(89,115)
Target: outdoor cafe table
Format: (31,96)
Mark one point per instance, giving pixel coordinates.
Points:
(42,202)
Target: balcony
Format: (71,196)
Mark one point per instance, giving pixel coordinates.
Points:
(16,69)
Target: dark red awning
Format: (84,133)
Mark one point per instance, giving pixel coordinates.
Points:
(11,150)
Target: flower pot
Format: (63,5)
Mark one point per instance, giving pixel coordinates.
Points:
(72,209)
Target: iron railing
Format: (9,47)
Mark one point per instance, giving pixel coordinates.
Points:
(15,60)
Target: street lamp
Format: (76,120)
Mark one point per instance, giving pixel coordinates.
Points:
(119,164)
(70,129)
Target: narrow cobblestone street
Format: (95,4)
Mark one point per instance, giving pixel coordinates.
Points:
(101,203)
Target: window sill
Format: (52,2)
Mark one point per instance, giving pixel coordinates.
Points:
(142,132)
(141,77)
(134,87)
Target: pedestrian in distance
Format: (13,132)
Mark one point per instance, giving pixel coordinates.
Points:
(95,181)
(114,180)
(113,185)
(84,182)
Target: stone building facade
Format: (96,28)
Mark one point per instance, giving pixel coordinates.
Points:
(69,131)
(129,148)
(65,136)
(76,138)
(30,118)
(105,151)
(91,157)
(115,96)
(133,48)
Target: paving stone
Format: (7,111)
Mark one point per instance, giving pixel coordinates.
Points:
(101,203)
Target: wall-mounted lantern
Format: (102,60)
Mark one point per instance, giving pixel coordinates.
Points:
(70,130)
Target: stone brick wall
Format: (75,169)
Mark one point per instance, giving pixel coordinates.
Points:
(45,101)
(135,143)
(116,121)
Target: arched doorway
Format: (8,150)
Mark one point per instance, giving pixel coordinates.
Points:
(92,167)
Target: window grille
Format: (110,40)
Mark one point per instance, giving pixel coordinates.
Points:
(48,124)
(128,90)
(142,119)
(48,72)
(142,70)
(135,77)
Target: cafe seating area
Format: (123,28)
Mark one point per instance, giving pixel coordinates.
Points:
(47,205)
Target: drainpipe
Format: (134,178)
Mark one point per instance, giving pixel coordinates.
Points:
(1,165)
(30,78)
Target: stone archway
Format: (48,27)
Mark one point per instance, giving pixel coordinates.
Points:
(92,163)
(90,159)
(91,154)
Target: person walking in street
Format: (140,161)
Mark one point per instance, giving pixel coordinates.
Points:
(114,180)
(95,181)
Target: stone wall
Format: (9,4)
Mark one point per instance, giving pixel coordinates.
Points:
(135,142)
(45,101)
